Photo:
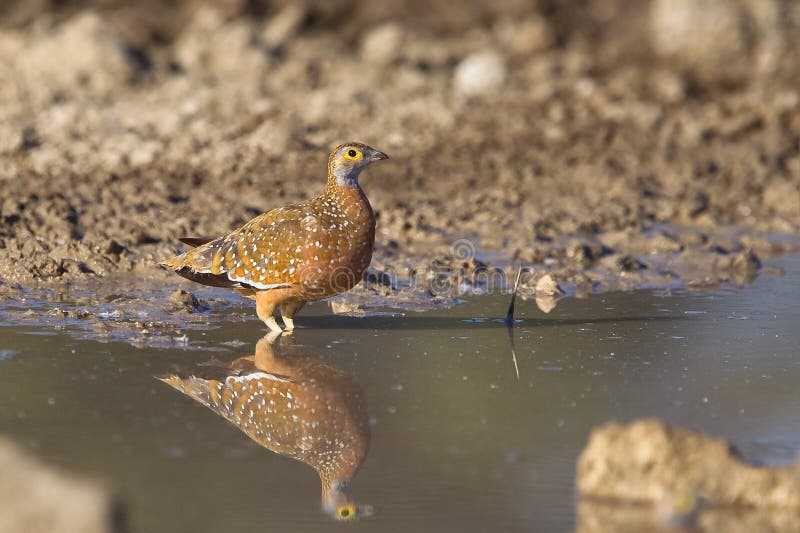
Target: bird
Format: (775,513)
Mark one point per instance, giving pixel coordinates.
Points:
(294,404)
(299,253)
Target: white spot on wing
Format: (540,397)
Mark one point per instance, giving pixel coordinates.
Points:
(256,284)
(255,375)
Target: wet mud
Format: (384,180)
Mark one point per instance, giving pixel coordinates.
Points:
(589,141)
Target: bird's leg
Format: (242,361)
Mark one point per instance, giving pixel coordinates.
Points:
(265,354)
(288,309)
(268,358)
(265,306)
(272,336)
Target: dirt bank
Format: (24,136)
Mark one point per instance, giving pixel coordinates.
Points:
(43,499)
(646,474)
(591,140)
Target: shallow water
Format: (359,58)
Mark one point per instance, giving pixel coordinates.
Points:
(457,441)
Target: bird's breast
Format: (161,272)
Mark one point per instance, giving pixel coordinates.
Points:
(341,237)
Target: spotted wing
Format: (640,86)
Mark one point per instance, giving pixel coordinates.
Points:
(259,254)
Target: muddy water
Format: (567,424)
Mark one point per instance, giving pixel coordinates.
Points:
(456,441)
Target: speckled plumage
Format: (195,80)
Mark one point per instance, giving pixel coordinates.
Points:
(302,252)
(295,405)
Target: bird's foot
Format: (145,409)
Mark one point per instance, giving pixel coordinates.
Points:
(272,324)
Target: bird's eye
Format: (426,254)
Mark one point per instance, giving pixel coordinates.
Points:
(346,511)
(353,154)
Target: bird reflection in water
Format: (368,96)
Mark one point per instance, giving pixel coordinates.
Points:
(293,404)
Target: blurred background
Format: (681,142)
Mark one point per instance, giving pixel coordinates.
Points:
(513,123)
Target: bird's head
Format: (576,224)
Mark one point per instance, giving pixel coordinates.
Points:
(337,503)
(348,160)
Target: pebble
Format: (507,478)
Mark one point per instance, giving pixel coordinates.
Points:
(697,31)
(480,73)
(547,286)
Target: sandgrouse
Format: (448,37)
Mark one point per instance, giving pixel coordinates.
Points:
(295,254)
(293,404)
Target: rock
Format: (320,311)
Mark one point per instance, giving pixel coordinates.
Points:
(547,293)
(480,73)
(342,307)
(546,303)
(594,516)
(746,263)
(739,268)
(378,277)
(712,35)
(547,286)
(383,44)
(581,256)
(742,267)
(629,263)
(647,461)
(697,31)
(182,300)
(36,498)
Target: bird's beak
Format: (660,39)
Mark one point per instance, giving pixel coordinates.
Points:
(377,156)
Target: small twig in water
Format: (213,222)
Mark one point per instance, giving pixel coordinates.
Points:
(509,322)
(513,352)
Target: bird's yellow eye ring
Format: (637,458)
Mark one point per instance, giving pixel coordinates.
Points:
(353,154)
(346,511)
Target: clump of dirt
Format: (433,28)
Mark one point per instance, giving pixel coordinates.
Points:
(681,478)
(182,300)
(595,141)
(40,498)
